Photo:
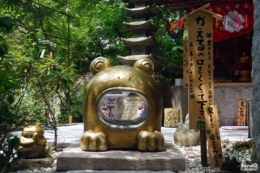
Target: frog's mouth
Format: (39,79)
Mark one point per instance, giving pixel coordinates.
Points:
(122,108)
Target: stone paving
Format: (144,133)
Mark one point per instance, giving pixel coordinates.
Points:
(70,133)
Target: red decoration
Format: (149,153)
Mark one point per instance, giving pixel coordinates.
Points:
(236,21)
(240,21)
(181,22)
(172,26)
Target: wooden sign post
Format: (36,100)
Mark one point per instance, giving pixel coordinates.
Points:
(213,136)
(241,117)
(200,57)
(201,78)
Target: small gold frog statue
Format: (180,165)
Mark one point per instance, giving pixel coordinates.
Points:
(33,143)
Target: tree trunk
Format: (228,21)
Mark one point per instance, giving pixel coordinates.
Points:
(256,85)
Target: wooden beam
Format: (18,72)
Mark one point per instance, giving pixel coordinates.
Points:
(203,7)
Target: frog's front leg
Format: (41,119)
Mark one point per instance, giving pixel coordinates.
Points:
(46,151)
(93,141)
(150,141)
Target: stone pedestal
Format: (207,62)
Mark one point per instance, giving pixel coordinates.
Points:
(73,158)
(31,164)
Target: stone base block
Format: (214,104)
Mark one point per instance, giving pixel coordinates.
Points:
(32,164)
(73,158)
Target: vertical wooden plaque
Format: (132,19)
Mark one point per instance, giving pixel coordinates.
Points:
(200,52)
(241,113)
(213,136)
(185,65)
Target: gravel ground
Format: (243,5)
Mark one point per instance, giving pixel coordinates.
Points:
(193,160)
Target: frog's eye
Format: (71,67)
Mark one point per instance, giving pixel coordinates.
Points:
(99,64)
(25,124)
(38,124)
(146,65)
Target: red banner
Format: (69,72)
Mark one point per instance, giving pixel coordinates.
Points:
(238,19)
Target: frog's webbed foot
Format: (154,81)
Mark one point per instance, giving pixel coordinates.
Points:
(150,141)
(93,141)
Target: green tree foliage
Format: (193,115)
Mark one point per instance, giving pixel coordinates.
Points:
(7,155)
(98,31)
(171,44)
(5,26)
(94,29)
(45,76)
(8,117)
(105,28)
(76,108)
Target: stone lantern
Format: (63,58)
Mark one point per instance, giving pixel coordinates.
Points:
(142,41)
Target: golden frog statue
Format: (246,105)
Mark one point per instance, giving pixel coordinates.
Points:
(33,143)
(122,108)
